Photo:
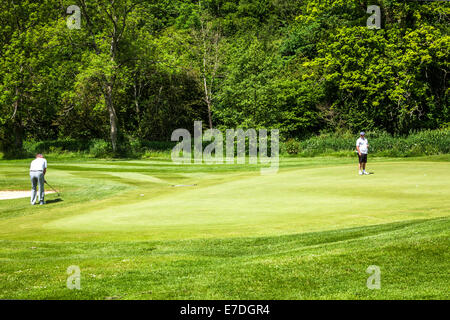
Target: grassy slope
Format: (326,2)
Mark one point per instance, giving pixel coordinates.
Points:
(308,232)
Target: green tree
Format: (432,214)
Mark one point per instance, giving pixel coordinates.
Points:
(104,64)
(25,59)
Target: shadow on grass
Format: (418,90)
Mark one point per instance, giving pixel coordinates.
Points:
(54,201)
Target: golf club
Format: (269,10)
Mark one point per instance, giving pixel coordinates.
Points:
(45,181)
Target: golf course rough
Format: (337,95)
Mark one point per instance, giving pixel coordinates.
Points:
(308,232)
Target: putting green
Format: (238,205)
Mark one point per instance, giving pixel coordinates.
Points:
(250,204)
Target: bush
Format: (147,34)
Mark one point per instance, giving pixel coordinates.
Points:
(59,145)
(135,148)
(290,147)
(428,142)
(17,154)
(100,149)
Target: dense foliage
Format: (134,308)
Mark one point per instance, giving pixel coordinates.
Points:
(336,144)
(138,69)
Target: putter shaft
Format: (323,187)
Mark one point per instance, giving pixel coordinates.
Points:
(51,187)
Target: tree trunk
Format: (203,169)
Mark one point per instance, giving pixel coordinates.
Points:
(208,102)
(18,135)
(17,124)
(112,116)
(209,43)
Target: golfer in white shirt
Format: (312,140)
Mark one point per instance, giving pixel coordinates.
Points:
(38,168)
(362,147)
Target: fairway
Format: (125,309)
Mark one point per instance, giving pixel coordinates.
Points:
(228,232)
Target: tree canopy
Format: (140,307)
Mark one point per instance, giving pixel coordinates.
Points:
(143,68)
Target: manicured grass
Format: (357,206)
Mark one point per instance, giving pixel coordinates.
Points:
(308,232)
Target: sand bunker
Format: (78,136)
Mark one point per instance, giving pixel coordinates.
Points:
(6,195)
